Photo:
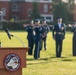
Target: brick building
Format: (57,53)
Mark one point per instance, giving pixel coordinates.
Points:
(20,9)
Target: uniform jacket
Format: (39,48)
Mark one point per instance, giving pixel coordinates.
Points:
(73,29)
(38,33)
(59,33)
(29,30)
(45,30)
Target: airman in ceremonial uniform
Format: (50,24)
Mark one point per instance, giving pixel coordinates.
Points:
(59,35)
(38,33)
(45,30)
(30,36)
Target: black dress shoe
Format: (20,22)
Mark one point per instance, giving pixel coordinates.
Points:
(45,48)
(29,54)
(36,58)
(58,56)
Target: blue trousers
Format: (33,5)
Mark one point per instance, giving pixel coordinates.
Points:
(37,50)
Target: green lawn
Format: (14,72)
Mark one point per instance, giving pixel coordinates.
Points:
(48,64)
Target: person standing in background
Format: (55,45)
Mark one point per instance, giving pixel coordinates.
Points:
(45,30)
(58,35)
(73,29)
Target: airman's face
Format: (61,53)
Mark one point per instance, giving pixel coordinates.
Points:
(60,20)
(38,22)
(32,22)
(44,22)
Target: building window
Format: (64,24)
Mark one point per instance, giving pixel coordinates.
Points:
(15,7)
(48,18)
(3,11)
(42,18)
(45,8)
(15,17)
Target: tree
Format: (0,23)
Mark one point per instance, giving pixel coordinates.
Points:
(60,10)
(63,9)
(70,5)
(35,12)
(57,1)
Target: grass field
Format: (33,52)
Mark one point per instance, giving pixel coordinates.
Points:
(48,64)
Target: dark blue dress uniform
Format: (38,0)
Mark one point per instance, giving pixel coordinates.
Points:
(30,38)
(73,29)
(38,33)
(45,30)
(59,35)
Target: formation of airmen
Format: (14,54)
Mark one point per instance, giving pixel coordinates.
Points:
(37,34)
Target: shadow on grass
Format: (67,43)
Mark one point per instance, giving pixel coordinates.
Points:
(47,60)
(64,58)
(72,60)
(37,63)
(67,60)
(32,59)
(58,57)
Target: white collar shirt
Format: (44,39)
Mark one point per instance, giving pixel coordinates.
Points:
(59,24)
